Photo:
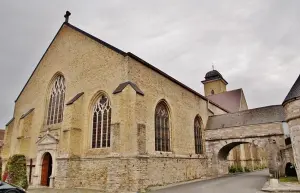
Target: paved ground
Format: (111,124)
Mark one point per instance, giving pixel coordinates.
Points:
(242,183)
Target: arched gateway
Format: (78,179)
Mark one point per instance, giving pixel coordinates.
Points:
(262,127)
(46,169)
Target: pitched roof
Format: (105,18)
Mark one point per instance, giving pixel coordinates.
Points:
(230,100)
(10,121)
(124,84)
(294,92)
(124,54)
(25,114)
(75,98)
(261,115)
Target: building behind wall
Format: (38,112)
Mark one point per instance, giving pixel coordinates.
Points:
(215,89)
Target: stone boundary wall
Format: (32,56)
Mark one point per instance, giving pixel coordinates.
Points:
(117,174)
(262,115)
(253,131)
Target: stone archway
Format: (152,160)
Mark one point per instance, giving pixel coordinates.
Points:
(221,148)
(224,151)
(46,169)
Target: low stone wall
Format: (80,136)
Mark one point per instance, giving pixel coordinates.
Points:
(127,174)
(161,170)
(105,174)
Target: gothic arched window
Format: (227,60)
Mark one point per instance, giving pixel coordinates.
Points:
(162,128)
(56,101)
(198,135)
(101,123)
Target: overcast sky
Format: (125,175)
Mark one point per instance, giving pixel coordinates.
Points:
(254,44)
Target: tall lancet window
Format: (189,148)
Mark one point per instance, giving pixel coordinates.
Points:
(56,101)
(101,123)
(198,135)
(162,128)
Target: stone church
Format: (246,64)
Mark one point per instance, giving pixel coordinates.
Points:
(94,116)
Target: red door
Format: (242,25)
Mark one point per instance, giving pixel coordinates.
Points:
(46,169)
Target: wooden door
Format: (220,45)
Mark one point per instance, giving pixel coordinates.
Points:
(46,170)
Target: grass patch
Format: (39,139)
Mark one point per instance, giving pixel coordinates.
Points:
(288,179)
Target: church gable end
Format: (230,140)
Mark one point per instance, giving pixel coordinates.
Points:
(73,41)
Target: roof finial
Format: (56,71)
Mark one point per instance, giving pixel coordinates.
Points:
(67,15)
(213,65)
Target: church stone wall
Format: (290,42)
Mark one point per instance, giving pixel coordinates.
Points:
(183,106)
(87,67)
(110,174)
(128,174)
(171,170)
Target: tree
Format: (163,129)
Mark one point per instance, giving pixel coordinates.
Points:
(16,171)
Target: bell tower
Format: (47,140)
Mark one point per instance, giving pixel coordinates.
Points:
(214,83)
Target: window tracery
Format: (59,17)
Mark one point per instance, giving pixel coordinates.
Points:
(162,129)
(56,101)
(101,123)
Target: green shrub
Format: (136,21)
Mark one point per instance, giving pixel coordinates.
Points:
(16,171)
(246,169)
(264,166)
(232,169)
(235,169)
(239,169)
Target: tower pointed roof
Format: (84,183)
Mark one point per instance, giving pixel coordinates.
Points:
(294,92)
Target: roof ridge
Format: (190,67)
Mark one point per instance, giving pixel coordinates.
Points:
(97,39)
(124,54)
(226,92)
(248,110)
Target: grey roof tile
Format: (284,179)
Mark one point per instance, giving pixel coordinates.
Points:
(294,92)
(261,115)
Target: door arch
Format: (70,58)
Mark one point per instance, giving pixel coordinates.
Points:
(46,169)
